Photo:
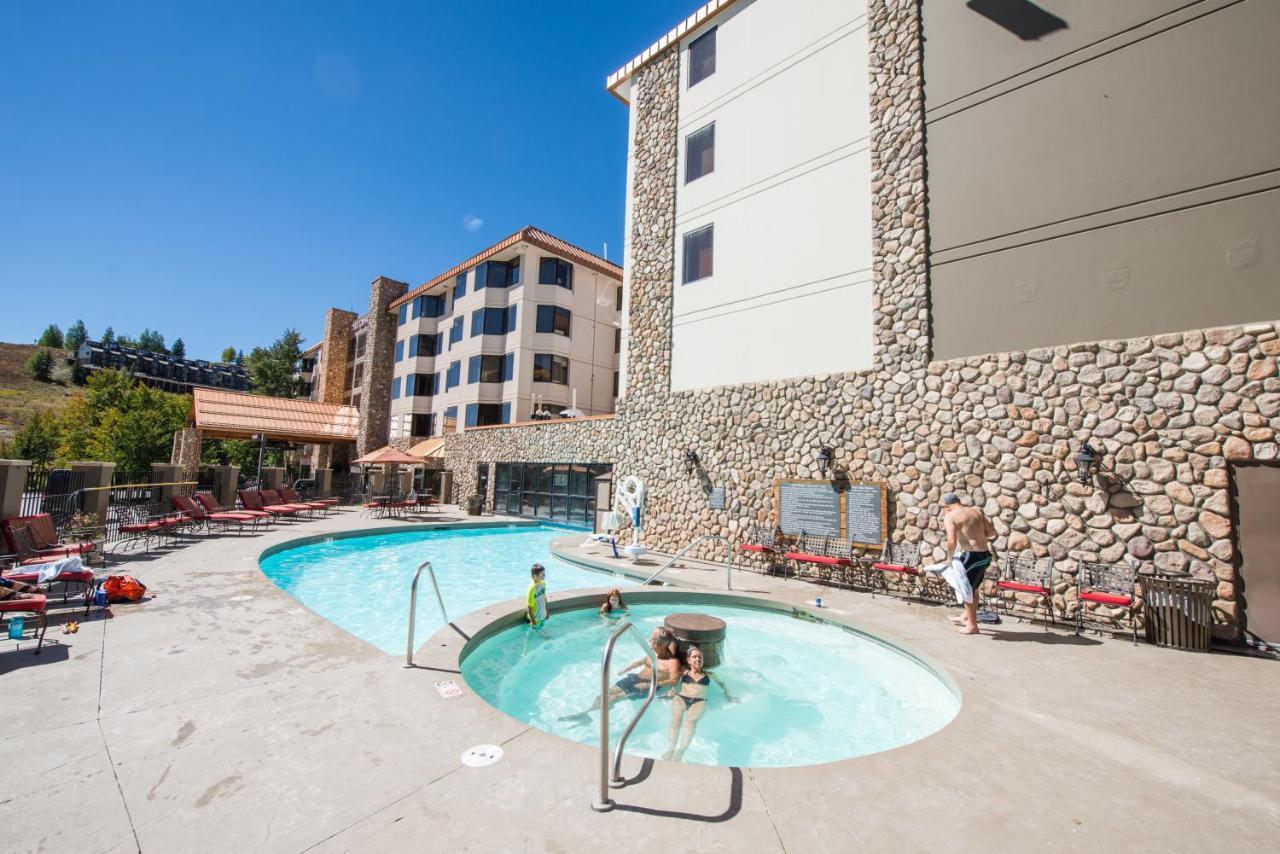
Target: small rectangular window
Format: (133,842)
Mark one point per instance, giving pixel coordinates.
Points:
(698,251)
(423,425)
(554,271)
(459,286)
(619,297)
(454,376)
(395,389)
(702,57)
(404,314)
(399,351)
(554,319)
(615,383)
(455,332)
(550,369)
(700,153)
(617,340)
(491,369)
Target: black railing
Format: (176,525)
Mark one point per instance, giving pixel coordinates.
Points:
(52,491)
(140,496)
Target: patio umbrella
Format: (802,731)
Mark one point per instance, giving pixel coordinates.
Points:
(388,456)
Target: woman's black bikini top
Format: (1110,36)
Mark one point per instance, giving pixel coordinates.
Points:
(705,680)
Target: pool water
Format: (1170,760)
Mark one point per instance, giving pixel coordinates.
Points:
(808,692)
(361,584)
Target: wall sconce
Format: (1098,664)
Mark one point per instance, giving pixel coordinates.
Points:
(825,456)
(1085,462)
(690,461)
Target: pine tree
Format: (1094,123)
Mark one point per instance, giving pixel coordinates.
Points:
(179,350)
(271,368)
(151,342)
(76,335)
(51,337)
(40,365)
(108,336)
(37,440)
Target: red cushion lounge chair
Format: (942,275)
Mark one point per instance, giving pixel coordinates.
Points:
(271,498)
(35,605)
(291,497)
(42,537)
(211,504)
(194,510)
(254,500)
(136,525)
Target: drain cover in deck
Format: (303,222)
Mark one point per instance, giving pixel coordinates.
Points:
(481,755)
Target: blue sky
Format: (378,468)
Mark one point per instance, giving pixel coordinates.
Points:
(219,172)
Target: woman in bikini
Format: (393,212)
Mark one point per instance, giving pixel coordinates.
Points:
(689,702)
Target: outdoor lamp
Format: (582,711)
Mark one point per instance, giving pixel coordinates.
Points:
(824,460)
(690,460)
(1085,461)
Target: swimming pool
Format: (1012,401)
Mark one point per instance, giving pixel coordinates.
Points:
(361,583)
(809,692)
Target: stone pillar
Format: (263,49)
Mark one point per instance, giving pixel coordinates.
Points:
(96,499)
(272,477)
(166,473)
(324,482)
(334,357)
(446,487)
(380,341)
(13,479)
(226,479)
(186,451)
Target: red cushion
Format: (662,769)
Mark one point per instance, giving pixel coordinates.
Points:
(752,547)
(283,509)
(328,502)
(805,557)
(36,604)
(1106,598)
(139,528)
(81,575)
(1024,588)
(895,567)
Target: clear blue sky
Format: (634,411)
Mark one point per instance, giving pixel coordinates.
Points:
(221,171)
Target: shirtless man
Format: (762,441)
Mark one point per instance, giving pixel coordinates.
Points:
(972,532)
(635,686)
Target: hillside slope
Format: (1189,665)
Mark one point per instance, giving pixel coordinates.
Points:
(20,395)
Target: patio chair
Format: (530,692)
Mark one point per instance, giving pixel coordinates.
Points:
(252,499)
(821,554)
(377,506)
(195,511)
(42,537)
(31,567)
(1026,575)
(1112,585)
(324,505)
(900,560)
(209,503)
(759,539)
(272,498)
(138,525)
(37,605)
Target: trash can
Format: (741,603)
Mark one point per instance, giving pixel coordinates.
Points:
(1178,611)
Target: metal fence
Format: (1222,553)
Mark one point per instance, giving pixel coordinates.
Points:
(137,497)
(52,491)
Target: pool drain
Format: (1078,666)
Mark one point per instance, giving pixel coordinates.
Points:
(481,755)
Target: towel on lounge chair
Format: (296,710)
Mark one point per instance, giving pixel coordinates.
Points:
(49,571)
(953,573)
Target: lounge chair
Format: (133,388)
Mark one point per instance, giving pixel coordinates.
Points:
(37,605)
(272,498)
(196,512)
(255,500)
(139,525)
(291,497)
(31,571)
(42,538)
(206,500)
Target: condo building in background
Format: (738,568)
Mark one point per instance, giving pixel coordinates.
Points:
(530,325)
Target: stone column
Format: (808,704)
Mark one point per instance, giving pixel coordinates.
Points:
(446,487)
(13,479)
(96,499)
(324,482)
(166,473)
(334,359)
(186,451)
(226,479)
(272,477)
(380,341)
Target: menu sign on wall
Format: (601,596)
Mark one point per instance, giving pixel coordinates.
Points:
(823,508)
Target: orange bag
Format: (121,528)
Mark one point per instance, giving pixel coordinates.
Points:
(123,588)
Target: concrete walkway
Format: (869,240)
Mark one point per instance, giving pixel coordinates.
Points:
(221,715)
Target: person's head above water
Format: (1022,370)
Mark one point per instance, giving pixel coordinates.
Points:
(613,601)
(693,657)
(537,571)
(663,643)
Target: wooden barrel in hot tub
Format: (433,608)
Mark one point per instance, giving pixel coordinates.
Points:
(707,633)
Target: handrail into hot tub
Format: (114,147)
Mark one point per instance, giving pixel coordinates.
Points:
(605,803)
(728,570)
(413,606)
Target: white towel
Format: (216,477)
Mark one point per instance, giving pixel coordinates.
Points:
(953,573)
(49,571)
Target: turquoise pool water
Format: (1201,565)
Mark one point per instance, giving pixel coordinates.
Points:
(808,692)
(361,584)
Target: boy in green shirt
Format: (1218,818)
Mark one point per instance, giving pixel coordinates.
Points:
(536,601)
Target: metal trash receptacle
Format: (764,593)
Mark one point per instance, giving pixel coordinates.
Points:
(1178,611)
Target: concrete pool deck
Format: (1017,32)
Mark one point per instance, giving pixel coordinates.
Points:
(222,715)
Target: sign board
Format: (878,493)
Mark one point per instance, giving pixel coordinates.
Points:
(716,498)
(809,507)
(866,516)
(448,688)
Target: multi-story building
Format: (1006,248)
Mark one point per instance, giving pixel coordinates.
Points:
(531,324)
(161,370)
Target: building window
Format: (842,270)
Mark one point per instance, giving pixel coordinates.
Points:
(488,414)
(493,321)
(429,305)
(403,315)
(455,332)
(423,424)
(615,383)
(454,377)
(698,251)
(491,369)
(554,271)
(617,340)
(425,345)
(395,389)
(550,369)
(422,385)
(450,420)
(459,286)
(619,297)
(359,351)
(355,401)
(700,153)
(358,378)
(399,351)
(702,57)
(552,318)
(498,274)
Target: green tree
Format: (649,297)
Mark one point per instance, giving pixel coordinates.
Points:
(228,355)
(76,335)
(38,439)
(151,341)
(128,423)
(51,337)
(108,336)
(179,350)
(239,358)
(40,365)
(271,368)
(77,426)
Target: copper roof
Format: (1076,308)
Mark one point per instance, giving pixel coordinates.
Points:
(229,414)
(697,19)
(533,236)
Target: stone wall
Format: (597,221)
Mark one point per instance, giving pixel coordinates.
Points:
(332,377)
(1170,412)
(375,390)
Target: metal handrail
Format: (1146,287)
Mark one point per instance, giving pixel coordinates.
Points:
(728,548)
(413,606)
(605,803)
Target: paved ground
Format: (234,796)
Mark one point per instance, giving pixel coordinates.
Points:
(222,716)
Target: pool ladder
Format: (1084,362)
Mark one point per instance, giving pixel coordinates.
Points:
(728,550)
(413,606)
(605,803)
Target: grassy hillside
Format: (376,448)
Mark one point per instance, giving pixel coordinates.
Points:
(20,395)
